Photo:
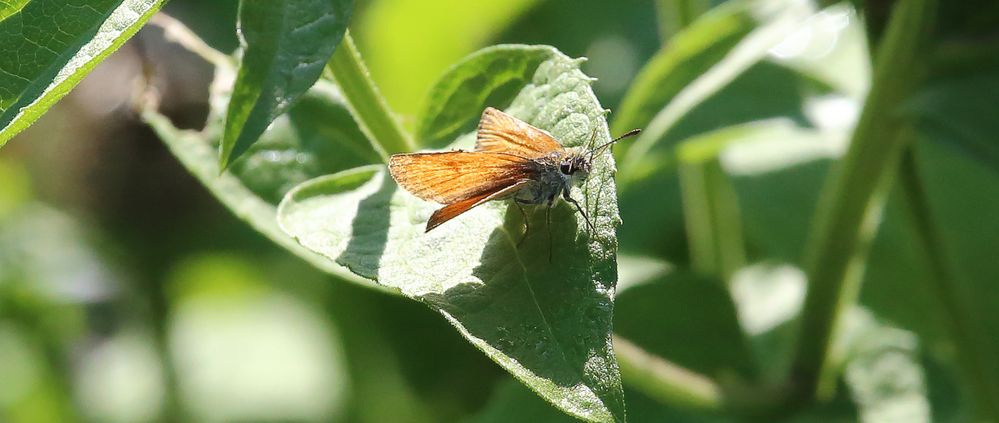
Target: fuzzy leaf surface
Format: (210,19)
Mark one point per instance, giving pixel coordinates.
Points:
(546,322)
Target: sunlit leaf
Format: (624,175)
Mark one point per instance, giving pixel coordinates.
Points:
(49,46)
(706,69)
(723,52)
(686,56)
(286,45)
(547,322)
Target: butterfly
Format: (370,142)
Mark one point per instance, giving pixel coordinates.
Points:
(511,160)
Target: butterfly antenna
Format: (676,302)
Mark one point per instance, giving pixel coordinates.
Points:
(601,148)
(593,139)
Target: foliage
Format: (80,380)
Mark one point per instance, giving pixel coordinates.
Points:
(804,221)
(50,46)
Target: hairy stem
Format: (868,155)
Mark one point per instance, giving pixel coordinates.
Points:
(366,104)
(853,197)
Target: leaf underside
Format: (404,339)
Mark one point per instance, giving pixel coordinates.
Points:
(548,323)
(295,148)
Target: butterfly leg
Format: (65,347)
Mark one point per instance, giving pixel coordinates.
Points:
(527,223)
(548,223)
(589,225)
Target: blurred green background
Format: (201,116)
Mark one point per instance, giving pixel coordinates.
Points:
(129,294)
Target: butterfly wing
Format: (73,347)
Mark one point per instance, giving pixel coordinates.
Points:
(453,176)
(501,133)
(452,210)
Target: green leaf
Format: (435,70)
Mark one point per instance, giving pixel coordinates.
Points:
(546,322)
(685,57)
(707,69)
(293,150)
(765,101)
(683,318)
(513,403)
(703,82)
(897,264)
(960,110)
(318,137)
(286,45)
(489,77)
(11,7)
(50,45)
(777,163)
(963,197)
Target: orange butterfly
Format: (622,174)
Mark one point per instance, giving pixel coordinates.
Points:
(512,159)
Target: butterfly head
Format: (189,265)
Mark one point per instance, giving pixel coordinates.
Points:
(574,167)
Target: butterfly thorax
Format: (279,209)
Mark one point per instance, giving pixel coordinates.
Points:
(557,172)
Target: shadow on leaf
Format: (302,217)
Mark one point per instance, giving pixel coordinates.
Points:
(369,232)
(549,317)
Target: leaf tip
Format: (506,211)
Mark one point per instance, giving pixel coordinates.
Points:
(225,158)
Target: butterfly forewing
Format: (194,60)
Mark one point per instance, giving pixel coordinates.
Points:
(454,176)
(502,163)
(501,133)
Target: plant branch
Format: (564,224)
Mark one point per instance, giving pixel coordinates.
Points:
(975,350)
(854,195)
(176,31)
(664,381)
(366,104)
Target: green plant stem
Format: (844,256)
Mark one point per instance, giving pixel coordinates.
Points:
(853,197)
(675,15)
(664,381)
(158,303)
(974,348)
(711,216)
(365,103)
(176,31)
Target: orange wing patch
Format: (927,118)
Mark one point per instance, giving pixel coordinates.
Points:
(455,209)
(454,176)
(501,133)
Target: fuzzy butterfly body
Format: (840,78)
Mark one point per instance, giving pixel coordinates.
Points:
(511,160)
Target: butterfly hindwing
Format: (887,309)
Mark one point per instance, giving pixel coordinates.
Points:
(457,208)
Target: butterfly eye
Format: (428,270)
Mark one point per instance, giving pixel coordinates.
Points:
(566,168)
